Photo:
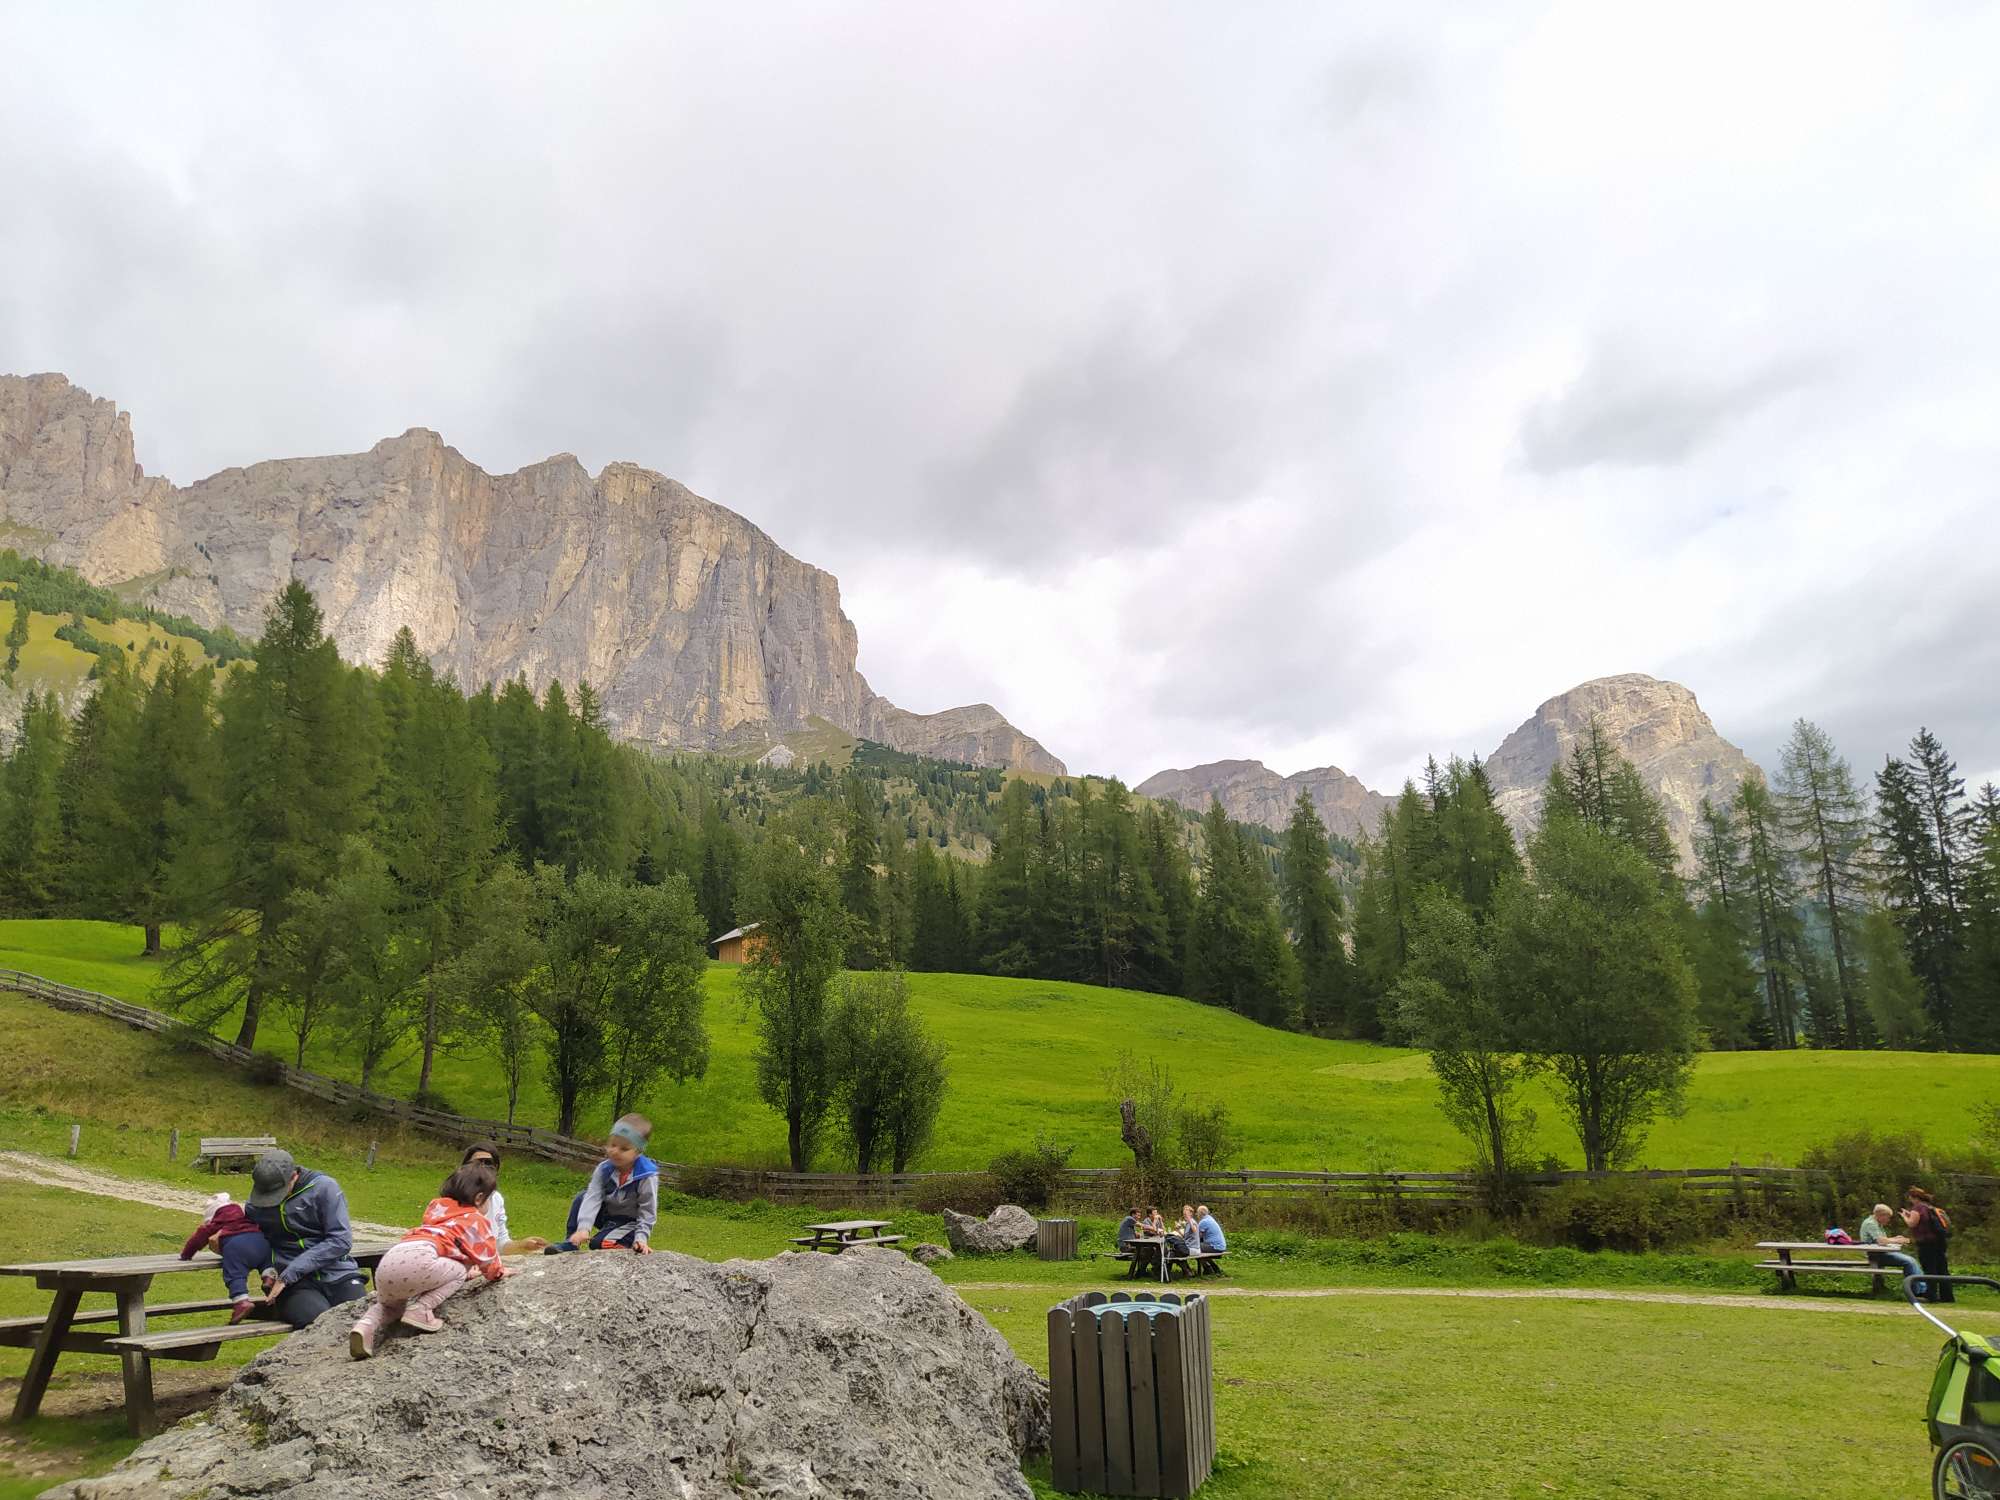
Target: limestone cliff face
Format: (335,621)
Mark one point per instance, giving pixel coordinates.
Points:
(1251,792)
(694,626)
(1656,725)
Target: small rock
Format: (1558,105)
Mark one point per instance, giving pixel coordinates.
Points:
(929,1255)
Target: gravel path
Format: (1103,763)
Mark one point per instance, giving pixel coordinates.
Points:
(43,1171)
(1545,1293)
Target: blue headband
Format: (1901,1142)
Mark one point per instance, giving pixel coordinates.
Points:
(631,1133)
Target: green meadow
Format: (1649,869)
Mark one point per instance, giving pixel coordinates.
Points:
(1028,1058)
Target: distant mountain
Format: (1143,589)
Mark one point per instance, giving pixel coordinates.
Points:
(1656,725)
(1251,792)
(695,627)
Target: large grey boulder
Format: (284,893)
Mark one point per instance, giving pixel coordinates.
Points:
(805,1377)
(1006,1228)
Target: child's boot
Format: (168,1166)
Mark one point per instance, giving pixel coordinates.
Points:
(423,1320)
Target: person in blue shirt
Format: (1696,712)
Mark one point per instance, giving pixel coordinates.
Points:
(1209,1231)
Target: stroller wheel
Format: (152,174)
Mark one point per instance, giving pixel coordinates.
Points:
(1966,1471)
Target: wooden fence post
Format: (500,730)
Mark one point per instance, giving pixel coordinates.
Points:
(371,1154)
(174,1144)
(75,1135)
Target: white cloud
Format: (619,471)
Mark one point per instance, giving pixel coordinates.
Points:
(1302,382)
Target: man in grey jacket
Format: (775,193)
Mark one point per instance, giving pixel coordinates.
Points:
(304,1217)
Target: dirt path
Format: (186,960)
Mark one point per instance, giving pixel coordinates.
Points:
(43,1171)
(1545,1293)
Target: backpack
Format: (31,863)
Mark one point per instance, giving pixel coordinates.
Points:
(1838,1237)
(1944,1224)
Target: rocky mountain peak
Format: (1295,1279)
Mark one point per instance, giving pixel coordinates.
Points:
(696,628)
(1656,725)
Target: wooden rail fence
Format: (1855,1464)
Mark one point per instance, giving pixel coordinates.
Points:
(1082,1184)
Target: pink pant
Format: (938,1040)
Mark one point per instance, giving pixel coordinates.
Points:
(413,1274)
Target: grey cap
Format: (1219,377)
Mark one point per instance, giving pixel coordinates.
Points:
(270,1177)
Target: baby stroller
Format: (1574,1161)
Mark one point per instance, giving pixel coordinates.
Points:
(1964,1411)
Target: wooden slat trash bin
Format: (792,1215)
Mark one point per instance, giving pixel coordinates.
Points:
(1055,1239)
(1131,1394)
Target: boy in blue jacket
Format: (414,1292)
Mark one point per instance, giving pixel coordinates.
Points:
(619,1206)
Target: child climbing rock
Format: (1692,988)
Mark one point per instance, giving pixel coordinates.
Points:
(453,1245)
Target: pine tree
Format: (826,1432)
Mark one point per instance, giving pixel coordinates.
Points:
(860,877)
(31,861)
(517,753)
(1827,826)
(1007,917)
(1771,892)
(298,758)
(1237,954)
(1914,884)
(439,823)
(1978,979)
(1312,910)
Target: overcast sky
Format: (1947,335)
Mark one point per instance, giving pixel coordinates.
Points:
(1319,383)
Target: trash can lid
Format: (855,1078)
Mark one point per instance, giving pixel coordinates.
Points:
(1150,1309)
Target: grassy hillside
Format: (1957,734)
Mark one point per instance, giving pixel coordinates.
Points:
(1027,1057)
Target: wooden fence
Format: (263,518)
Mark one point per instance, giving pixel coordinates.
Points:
(1088,1185)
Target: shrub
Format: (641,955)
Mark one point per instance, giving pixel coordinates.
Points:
(1031,1178)
(1625,1214)
(964,1192)
(266,1069)
(432,1099)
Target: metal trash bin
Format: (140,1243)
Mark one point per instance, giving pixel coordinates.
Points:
(1131,1394)
(1055,1239)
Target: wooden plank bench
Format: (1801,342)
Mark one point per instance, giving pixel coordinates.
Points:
(1789,1270)
(180,1343)
(215,1150)
(21,1333)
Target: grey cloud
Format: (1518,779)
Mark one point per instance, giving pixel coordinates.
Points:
(1626,410)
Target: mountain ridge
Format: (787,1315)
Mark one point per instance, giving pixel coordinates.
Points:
(695,626)
(1657,724)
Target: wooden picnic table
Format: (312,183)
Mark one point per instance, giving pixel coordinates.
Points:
(126,1278)
(844,1234)
(1789,1270)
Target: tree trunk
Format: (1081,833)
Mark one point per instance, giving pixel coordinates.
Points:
(795,1138)
(430,1038)
(253,1007)
(152,949)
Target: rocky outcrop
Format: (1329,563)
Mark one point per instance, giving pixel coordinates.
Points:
(660,1378)
(1250,792)
(1007,1228)
(1656,725)
(695,627)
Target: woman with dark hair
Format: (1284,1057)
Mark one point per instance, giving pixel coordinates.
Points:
(1929,1232)
(485,1153)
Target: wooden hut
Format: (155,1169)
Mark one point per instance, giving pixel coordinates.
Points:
(737,946)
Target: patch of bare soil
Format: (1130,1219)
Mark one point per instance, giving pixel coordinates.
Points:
(44,1171)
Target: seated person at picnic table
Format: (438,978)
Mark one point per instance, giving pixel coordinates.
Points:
(1209,1232)
(230,1234)
(1156,1223)
(1184,1233)
(1128,1229)
(304,1217)
(452,1246)
(1875,1234)
(485,1153)
(619,1206)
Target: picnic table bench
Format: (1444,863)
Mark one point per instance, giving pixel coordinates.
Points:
(216,1149)
(844,1234)
(1789,1270)
(1147,1257)
(127,1278)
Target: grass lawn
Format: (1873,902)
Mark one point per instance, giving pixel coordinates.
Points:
(1411,1394)
(1027,1057)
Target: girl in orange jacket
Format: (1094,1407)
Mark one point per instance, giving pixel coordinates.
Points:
(452,1246)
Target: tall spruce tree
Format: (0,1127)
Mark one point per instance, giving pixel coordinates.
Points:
(298,758)
(860,875)
(1312,909)
(31,857)
(1237,954)
(1827,825)
(439,825)
(1771,890)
